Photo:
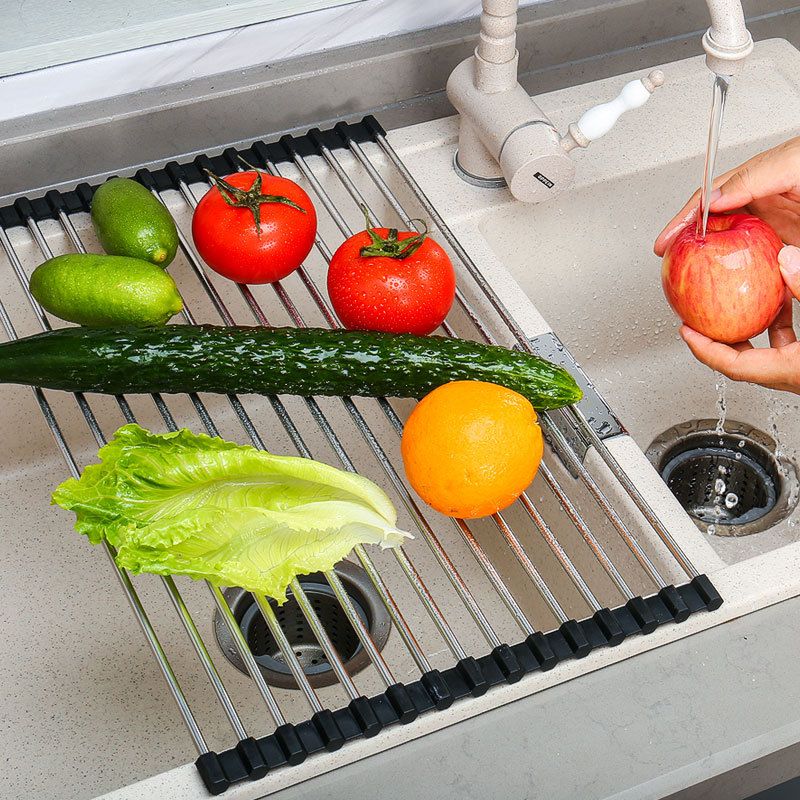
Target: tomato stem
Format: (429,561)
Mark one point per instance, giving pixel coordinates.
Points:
(251,198)
(391,246)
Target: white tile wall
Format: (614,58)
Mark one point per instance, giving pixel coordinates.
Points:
(210,54)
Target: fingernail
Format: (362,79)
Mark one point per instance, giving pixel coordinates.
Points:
(714,196)
(789,260)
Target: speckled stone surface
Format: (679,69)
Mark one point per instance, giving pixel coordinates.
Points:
(85,695)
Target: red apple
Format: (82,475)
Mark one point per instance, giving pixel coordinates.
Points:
(727,286)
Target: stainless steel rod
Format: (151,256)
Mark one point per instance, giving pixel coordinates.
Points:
(391,605)
(637,497)
(200,646)
(495,578)
(202,653)
(127,586)
(246,654)
(285,646)
(595,545)
(560,554)
(599,495)
(523,341)
(577,520)
(321,635)
(361,629)
(359,198)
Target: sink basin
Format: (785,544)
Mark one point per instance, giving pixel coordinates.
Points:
(581,267)
(586,271)
(586,263)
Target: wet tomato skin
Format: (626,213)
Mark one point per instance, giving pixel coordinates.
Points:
(230,243)
(394,295)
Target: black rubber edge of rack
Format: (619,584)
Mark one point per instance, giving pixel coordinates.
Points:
(400,704)
(470,677)
(175,173)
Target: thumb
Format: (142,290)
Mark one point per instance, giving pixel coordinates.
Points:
(789,262)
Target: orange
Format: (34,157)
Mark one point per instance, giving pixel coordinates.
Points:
(471,448)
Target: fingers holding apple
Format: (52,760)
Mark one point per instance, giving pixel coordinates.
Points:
(727,286)
(768,185)
(771,367)
(781,332)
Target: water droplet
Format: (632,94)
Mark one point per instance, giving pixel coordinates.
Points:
(731,500)
(722,405)
(712,529)
(719,486)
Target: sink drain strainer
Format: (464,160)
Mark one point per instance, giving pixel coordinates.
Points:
(731,483)
(309,653)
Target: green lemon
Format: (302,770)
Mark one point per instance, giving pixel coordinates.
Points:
(130,221)
(99,291)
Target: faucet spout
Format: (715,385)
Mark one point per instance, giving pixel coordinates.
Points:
(727,42)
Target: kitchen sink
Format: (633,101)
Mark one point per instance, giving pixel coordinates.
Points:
(598,284)
(585,259)
(84,694)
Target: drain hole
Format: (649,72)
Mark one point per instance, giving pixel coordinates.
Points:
(301,638)
(723,484)
(731,483)
(297,630)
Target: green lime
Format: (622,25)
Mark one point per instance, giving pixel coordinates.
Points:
(97,291)
(130,221)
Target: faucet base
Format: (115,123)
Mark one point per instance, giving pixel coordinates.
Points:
(476,180)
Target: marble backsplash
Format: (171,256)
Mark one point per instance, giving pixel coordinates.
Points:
(213,53)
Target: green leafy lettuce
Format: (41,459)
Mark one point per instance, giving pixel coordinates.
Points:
(189,504)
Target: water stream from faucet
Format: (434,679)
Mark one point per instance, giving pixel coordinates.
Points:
(720,92)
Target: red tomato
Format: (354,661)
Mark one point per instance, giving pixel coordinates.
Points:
(250,234)
(410,291)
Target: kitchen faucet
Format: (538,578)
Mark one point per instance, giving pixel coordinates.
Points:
(506,139)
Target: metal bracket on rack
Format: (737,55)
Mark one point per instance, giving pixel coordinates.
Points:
(593,407)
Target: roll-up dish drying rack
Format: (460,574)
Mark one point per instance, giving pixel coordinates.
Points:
(471,605)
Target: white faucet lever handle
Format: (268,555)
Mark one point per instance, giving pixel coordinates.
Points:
(599,120)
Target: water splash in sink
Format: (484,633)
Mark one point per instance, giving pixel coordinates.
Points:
(722,402)
(781,453)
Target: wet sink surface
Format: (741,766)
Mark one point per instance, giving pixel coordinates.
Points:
(586,262)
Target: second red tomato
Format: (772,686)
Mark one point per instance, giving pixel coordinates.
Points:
(381,280)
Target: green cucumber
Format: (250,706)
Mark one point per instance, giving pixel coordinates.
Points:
(97,290)
(189,358)
(130,221)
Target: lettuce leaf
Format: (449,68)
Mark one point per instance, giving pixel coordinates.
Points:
(191,504)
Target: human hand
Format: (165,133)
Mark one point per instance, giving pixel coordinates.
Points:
(768,185)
